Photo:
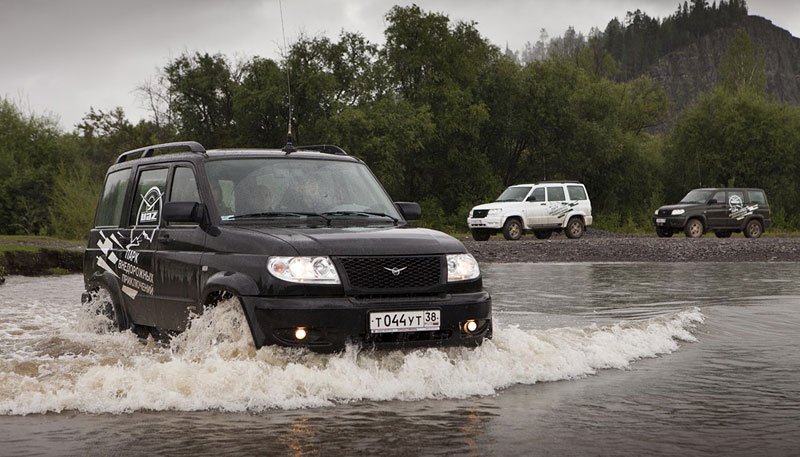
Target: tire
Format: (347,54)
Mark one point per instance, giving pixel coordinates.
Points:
(480,235)
(512,229)
(694,228)
(664,233)
(753,229)
(543,234)
(575,228)
(723,234)
(108,306)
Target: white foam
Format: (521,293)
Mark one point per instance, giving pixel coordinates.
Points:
(215,366)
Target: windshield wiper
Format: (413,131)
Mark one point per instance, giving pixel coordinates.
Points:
(279,214)
(361,213)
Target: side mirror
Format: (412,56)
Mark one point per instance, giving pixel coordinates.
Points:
(530,199)
(713,201)
(409,210)
(187,212)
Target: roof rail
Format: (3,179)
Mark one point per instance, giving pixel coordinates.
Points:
(147,151)
(558,182)
(326,148)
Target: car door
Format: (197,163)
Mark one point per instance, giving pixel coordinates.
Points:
(536,208)
(717,211)
(557,207)
(737,210)
(137,265)
(179,248)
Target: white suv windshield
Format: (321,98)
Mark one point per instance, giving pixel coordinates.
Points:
(269,188)
(514,194)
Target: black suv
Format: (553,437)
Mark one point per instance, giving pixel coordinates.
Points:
(719,210)
(306,238)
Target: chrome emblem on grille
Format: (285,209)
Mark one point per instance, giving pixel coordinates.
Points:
(395,271)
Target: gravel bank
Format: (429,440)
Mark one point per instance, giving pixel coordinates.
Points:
(600,248)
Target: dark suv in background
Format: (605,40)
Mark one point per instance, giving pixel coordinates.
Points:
(305,238)
(719,210)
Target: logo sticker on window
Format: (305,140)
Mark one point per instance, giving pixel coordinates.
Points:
(150,208)
(737,209)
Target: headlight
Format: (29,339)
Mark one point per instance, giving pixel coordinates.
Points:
(495,211)
(678,212)
(312,270)
(462,267)
(656,213)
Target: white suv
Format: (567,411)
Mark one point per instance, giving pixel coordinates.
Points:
(542,208)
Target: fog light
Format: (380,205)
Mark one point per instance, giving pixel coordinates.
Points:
(300,333)
(470,326)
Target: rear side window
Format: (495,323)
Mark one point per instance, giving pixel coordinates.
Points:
(147,201)
(109,210)
(736,198)
(757,196)
(576,193)
(555,194)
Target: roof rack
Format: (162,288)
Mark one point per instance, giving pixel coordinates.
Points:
(326,148)
(558,182)
(147,151)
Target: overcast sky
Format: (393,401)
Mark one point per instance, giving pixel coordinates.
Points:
(63,56)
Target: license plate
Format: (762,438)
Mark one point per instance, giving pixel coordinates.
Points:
(661,221)
(404,321)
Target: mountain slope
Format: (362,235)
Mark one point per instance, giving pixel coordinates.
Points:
(686,73)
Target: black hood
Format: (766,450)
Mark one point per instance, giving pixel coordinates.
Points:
(362,241)
(685,206)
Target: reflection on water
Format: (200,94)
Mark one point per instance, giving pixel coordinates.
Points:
(734,391)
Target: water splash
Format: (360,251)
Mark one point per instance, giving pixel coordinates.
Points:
(70,362)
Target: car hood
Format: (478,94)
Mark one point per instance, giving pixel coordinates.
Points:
(685,206)
(502,205)
(363,241)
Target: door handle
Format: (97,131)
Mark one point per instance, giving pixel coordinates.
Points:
(542,204)
(164,238)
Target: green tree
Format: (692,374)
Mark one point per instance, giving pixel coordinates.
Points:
(743,67)
(30,153)
(201,88)
(739,139)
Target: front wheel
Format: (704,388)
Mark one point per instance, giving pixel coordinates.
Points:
(575,228)
(512,229)
(480,235)
(694,228)
(106,305)
(753,229)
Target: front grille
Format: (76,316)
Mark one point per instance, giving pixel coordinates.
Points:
(375,273)
(480,213)
(664,212)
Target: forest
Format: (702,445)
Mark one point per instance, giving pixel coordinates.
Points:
(443,117)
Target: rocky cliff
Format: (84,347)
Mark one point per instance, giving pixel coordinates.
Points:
(690,71)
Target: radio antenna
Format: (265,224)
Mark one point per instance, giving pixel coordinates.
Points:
(289,147)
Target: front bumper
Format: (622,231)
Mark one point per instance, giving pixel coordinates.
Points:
(669,222)
(332,322)
(488,222)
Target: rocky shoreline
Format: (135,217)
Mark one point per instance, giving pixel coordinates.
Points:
(600,247)
(40,261)
(595,246)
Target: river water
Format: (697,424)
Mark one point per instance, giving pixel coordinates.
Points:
(597,359)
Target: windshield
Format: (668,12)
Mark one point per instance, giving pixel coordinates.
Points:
(267,188)
(514,194)
(697,196)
